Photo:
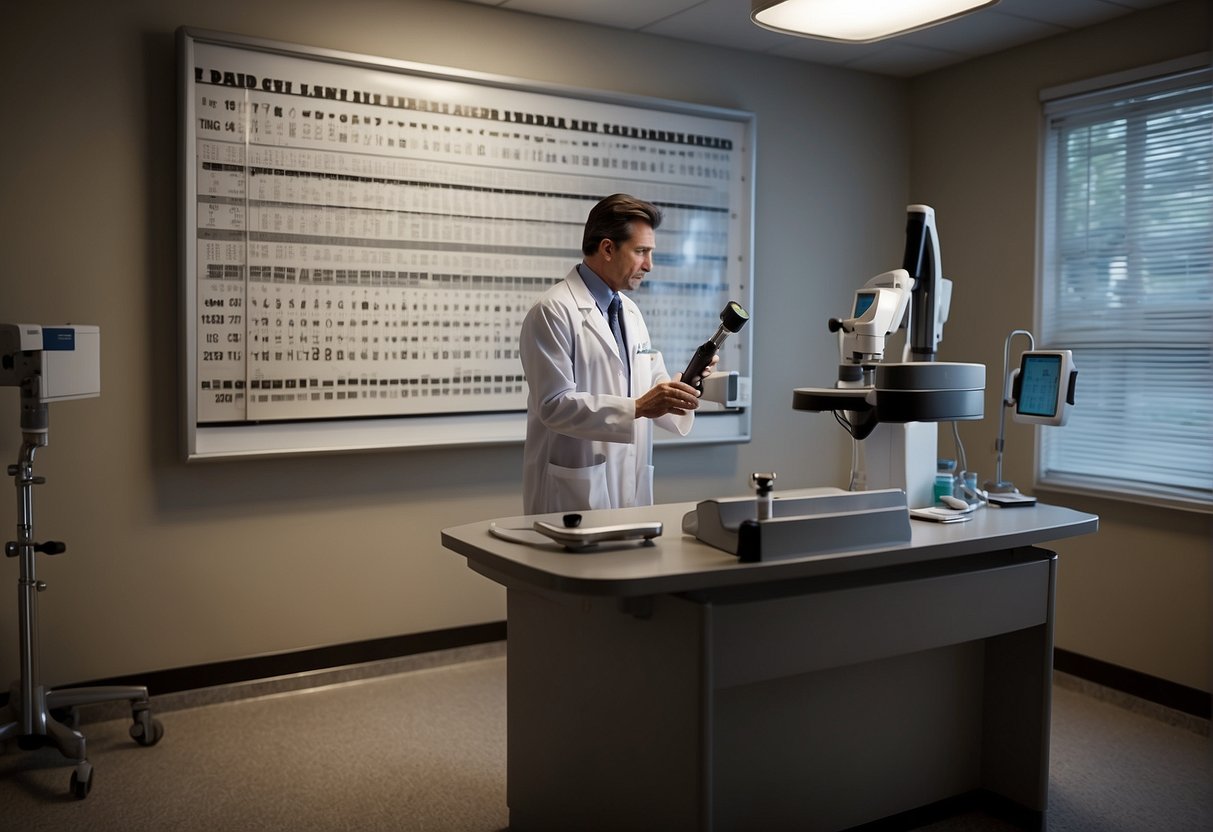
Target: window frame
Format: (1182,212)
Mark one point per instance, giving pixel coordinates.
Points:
(1092,92)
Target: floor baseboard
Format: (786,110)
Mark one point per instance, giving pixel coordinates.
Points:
(197,685)
(1160,698)
(188,687)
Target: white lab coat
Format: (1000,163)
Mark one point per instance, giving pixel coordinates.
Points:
(585,448)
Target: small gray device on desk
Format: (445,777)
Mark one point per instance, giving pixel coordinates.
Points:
(827,521)
(575,537)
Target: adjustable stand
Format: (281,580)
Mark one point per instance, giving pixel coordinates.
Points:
(28,715)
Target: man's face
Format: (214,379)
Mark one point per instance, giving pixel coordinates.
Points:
(625,264)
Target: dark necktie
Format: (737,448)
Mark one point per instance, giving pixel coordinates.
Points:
(615,319)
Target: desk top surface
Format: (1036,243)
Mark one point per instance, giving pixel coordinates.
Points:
(678,562)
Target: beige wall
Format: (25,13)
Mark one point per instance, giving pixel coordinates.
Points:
(174,565)
(1137,594)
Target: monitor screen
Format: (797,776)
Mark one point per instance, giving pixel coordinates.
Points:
(1040,383)
(1043,387)
(863,301)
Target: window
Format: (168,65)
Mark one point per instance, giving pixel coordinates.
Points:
(1127,284)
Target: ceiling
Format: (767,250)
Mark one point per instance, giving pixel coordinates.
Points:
(727,23)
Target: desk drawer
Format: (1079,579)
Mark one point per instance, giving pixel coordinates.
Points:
(765,638)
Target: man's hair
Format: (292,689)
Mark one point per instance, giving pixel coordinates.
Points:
(612,218)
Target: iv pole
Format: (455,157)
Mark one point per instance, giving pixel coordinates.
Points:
(999,485)
(27,717)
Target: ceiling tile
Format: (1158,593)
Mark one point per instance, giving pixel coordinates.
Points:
(727,23)
(1139,4)
(826,51)
(1073,14)
(980,34)
(901,60)
(719,22)
(621,15)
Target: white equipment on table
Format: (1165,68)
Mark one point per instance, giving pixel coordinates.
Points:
(893,405)
(50,364)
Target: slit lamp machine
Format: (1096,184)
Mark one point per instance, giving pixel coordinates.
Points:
(889,407)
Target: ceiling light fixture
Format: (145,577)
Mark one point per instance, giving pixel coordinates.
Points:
(857,21)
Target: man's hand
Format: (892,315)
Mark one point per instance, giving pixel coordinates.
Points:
(707,371)
(667,397)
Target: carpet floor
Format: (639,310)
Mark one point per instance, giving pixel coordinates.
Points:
(425,750)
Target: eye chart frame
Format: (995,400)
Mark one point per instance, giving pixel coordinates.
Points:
(361,236)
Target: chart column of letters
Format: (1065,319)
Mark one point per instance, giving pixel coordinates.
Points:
(365,255)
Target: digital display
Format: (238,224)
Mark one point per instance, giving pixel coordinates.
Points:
(863,302)
(1040,380)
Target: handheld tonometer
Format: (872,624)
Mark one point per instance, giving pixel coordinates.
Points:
(732,318)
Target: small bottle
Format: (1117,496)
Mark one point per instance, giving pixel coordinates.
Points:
(943,486)
(969,492)
(945,480)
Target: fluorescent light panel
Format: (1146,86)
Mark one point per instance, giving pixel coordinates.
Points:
(857,21)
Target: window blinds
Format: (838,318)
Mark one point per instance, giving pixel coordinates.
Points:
(1127,284)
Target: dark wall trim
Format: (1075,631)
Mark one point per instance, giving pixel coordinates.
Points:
(1172,695)
(301,661)
(1151,688)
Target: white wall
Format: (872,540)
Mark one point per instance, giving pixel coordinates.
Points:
(1137,594)
(174,565)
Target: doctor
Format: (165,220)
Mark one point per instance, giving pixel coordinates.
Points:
(595,394)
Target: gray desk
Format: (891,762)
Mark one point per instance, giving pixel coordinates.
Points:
(671,687)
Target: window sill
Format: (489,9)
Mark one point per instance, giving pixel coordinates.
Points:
(1127,492)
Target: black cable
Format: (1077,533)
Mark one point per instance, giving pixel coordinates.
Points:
(847,426)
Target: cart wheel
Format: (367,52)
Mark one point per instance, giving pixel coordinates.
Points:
(81,786)
(142,737)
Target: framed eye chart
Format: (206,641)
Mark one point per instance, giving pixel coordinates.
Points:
(361,238)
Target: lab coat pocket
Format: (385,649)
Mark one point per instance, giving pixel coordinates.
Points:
(643,363)
(578,489)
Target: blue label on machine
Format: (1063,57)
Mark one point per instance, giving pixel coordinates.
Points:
(58,338)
